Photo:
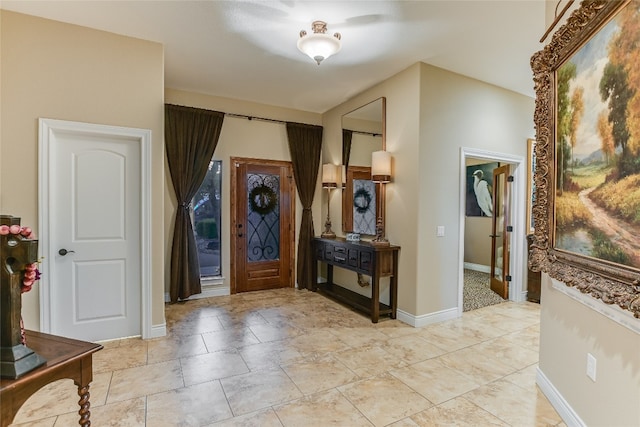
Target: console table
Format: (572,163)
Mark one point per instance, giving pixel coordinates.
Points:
(361,257)
(66,358)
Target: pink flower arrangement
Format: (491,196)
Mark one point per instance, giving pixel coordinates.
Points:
(31,272)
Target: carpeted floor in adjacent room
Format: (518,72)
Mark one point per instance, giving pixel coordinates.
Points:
(477,293)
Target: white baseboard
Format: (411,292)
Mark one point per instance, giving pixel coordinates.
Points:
(427,319)
(566,412)
(477,267)
(158,331)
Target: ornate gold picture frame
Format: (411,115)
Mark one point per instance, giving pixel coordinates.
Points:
(587,157)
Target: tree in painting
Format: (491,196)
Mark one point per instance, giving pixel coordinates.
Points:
(598,144)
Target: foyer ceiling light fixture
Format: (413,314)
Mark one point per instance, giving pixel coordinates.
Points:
(319,45)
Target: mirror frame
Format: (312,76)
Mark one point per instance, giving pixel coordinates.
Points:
(364,172)
(608,281)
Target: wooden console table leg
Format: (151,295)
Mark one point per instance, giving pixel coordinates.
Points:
(85,413)
(375,298)
(394,286)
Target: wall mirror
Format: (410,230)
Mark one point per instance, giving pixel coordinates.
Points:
(363,132)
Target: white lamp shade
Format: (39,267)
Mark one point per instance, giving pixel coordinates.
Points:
(330,175)
(381,166)
(319,46)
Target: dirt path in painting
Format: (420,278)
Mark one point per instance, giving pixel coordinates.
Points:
(623,234)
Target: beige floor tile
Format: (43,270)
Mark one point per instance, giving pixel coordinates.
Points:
(476,365)
(143,380)
(457,412)
(262,418)
(58,397)
(199,325)
(120,357)
(274,332)
(169,348)
(196,405)
(525,378)
(456,335)
(357,337)
(504,351)
(46,422)
(501,397)
(212,366)
(412,348)
(317,341)
(129,413)
(321,363)
(384,399)
(268,355)
(241,319)
(406,422)
(229,338)
(258,390)
(319,373)
(369,360)
(328,408)
(434,380)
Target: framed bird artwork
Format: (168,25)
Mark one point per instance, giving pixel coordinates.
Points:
(479,189)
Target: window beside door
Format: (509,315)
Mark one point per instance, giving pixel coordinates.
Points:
(206,220)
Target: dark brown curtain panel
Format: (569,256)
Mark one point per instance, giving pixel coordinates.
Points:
(347,137)
(305,144)
(191,136)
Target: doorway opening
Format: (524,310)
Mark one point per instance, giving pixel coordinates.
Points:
(481,231)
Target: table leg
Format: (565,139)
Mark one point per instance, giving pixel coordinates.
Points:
(394,286)
(375,298)
(85,413)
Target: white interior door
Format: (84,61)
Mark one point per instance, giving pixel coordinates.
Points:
(95,237)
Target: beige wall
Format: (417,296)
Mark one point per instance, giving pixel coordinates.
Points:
(457,111)
(61,71)
(431,114)
(569,330)
(239,138)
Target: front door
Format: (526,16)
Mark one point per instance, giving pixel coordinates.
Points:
(262,224)
(95,229)
(500,235)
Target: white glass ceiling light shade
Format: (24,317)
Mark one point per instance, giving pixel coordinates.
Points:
(319,45)
(381,166)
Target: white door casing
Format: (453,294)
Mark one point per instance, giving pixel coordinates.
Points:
(94,200)
(517,214)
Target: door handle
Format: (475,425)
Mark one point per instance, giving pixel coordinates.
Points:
(239,234)
(495,235)
(63,252)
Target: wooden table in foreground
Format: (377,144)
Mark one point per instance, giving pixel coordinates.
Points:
(66,358)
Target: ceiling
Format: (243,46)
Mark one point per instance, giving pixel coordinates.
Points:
(247,49)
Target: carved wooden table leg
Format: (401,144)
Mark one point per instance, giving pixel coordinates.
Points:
(84,411)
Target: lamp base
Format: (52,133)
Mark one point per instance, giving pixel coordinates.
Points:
(381,242)
(328,232)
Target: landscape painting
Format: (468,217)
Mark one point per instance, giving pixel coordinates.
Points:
(597,174)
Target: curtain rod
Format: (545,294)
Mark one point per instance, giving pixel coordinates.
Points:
(365,133)
(263,119)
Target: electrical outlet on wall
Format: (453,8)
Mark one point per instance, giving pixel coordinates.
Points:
(591,367)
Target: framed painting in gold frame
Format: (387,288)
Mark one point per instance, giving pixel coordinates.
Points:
(531,185)
(587,151)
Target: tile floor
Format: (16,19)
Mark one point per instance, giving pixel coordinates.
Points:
(296,358)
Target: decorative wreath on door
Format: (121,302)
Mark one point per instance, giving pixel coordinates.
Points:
(263,200)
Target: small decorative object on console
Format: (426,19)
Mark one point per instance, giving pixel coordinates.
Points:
(353,237)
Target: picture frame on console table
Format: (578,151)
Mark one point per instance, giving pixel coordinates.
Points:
(587,152)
